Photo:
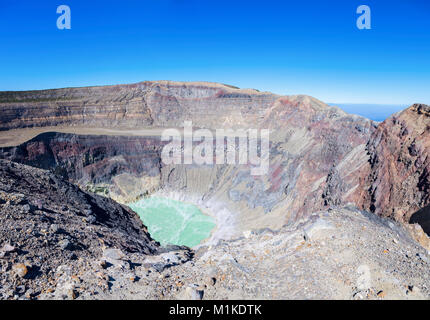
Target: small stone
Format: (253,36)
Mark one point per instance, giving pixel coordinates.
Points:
(194,293)
(72,294)
(247,234)
(423,257)
(171,258)
(113,254)
(26,208)
(413,289)
(19,270)
(65,244)
(39,204)
(90,219)
(103,263)
(9,293)
(211,281)
(20,290)
(7,248)
(29,293)
(358,296)
(54,228)
(72,256)
(381,294)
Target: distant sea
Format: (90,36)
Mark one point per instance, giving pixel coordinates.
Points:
(376,112)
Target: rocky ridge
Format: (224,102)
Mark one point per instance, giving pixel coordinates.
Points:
(149,103)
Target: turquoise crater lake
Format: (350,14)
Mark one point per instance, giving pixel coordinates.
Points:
(173,222)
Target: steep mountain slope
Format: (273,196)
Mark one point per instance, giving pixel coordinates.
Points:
(398,183)
(46,222)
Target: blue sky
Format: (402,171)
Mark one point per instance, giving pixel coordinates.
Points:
(287,47)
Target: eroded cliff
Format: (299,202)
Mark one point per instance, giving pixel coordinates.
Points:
(398,182)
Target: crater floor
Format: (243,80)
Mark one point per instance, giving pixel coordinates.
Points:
(173,222)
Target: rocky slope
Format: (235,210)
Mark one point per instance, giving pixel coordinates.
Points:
(46,223)
(336,254)
(398,182)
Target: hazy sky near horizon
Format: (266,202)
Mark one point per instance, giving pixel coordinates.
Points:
(287,47)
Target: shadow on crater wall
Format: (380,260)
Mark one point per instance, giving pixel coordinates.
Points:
(422,217)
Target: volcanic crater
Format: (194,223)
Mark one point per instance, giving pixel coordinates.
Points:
(323,161)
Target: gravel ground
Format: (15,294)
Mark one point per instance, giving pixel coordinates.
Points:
(339,254)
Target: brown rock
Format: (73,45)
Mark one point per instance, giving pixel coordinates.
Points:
(398,183)
(210,281)
(72,294)
(19,270)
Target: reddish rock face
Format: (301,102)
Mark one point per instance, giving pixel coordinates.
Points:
(319,155)
(398,181)
(89,159)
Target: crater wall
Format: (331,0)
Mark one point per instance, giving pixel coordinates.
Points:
(320,156)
